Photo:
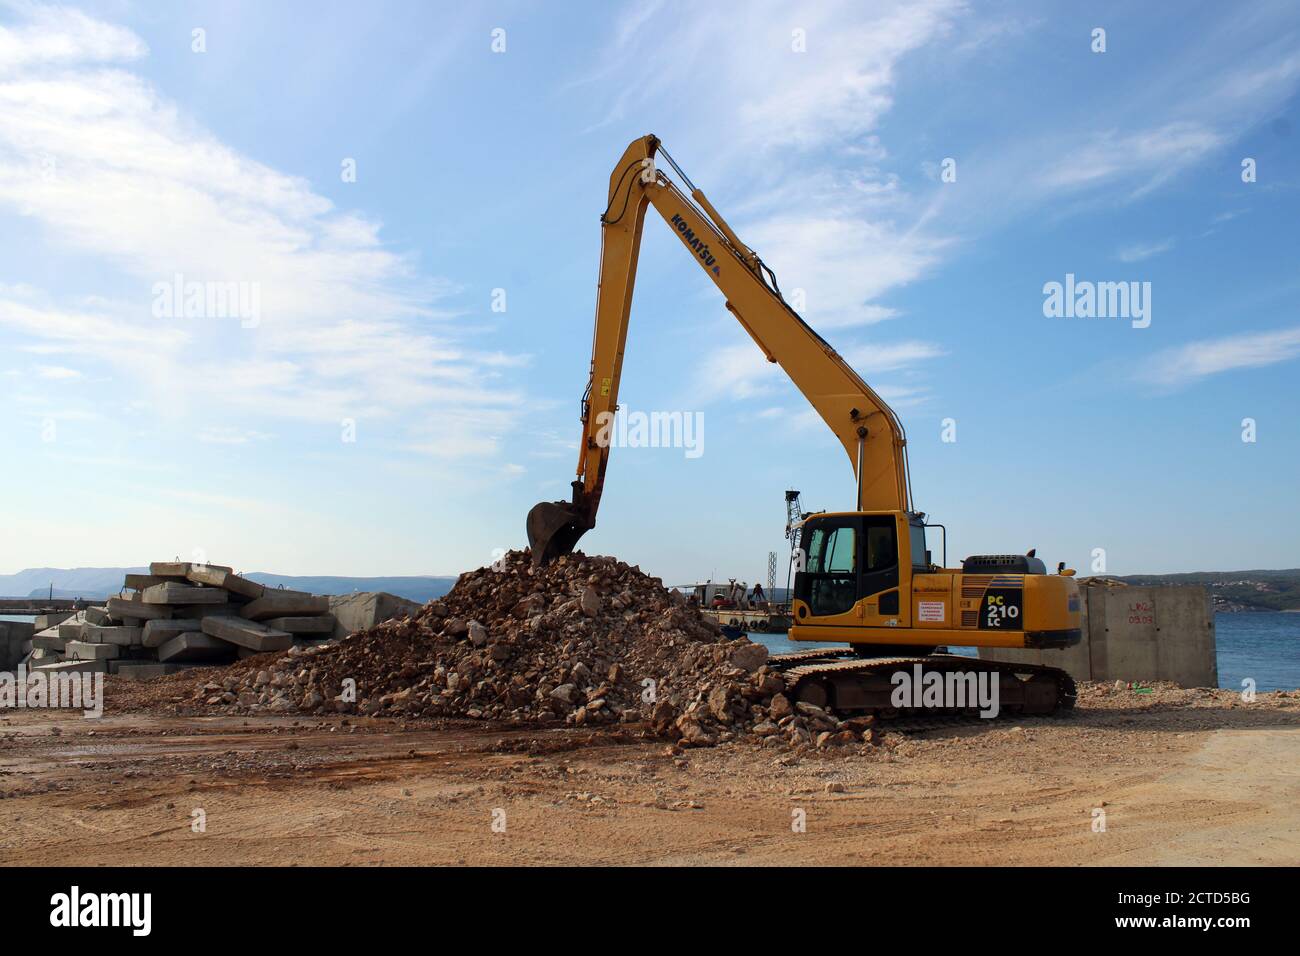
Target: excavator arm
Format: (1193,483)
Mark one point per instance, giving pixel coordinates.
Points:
(868,429)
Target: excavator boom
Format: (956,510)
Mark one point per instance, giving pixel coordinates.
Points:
(870,432)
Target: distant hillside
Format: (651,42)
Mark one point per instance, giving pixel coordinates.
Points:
(67,582)
(420,589)
(100,583)
(1237,590)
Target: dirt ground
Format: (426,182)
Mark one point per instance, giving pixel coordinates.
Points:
(1177,776)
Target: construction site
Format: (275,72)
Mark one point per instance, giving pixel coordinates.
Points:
(582,713)
(310,292)
(561,708)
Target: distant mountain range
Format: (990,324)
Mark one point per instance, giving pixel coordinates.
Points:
(1231,590)
(100,583)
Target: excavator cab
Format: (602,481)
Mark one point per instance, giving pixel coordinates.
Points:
(857,566)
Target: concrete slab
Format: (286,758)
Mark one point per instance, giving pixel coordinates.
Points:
(123,608)
(138,582)
(120,635)
(75,667)
(195,646)
(82,651)
(70,630)
(280,602)
(46,621)
(225,579)
(190,594)
(48,640)
(245,633)
(321,624)
(98,615)
(143,670)
(201,611)
(179,569)
(158,633)
(364,609)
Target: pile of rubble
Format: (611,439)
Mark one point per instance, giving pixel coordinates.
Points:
(177,615)
(583,641)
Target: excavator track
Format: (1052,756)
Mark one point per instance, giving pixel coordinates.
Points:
(852,686)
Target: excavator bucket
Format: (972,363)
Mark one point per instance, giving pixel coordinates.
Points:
(554,528)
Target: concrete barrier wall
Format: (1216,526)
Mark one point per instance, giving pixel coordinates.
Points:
(13,637)
(1137,634)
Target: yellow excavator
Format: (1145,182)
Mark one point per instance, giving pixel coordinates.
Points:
(863,577)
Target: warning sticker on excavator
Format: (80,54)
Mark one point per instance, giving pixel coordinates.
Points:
(932,611)
(604,386)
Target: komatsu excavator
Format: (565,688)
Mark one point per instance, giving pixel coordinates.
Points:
(863,577)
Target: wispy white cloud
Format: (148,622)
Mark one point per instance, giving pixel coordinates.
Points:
(740,371)
(229,435)
(63,36)
(1138,251)
(1194,361)
(1156,154)
(57,373)
(110,169)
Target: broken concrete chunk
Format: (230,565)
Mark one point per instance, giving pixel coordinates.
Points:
(173,593)
(285,603)
(246,633)
(749,656)
(158,633)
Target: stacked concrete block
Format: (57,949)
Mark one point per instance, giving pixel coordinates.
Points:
(16,640)
(245,633)
(1163,633)
(196,646)
(284,603)
(363,610)
(158,633)
(178,615)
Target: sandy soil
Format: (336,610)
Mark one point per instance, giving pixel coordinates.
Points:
(1182,777)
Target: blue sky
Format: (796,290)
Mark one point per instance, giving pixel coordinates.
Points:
(126,158)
